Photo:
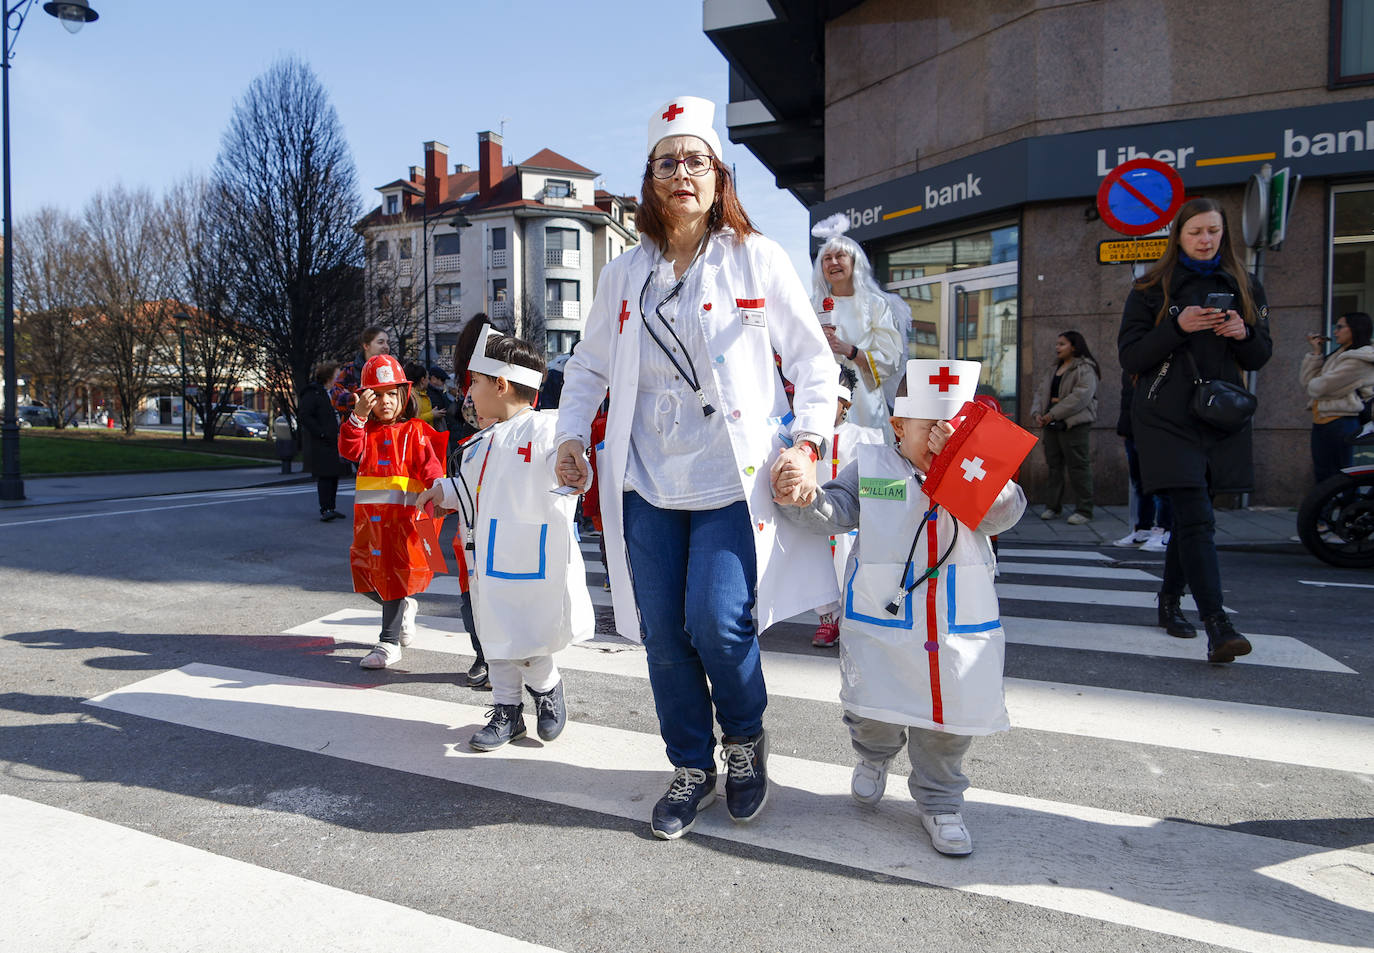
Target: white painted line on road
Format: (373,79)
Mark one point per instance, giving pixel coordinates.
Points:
(1079,572)
(218,501)
(1072,595)
(101,886)
(1337,585)
(1233,889)
(1079,554)
(1235,729)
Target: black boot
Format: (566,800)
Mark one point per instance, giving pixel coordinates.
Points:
(1172,619)
(507,724)
(1224,643)
(550,710)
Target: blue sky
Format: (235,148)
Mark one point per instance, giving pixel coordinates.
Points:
(142,96)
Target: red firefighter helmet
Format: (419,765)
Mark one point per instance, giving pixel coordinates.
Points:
(381,372)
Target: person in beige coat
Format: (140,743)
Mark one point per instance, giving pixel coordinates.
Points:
(1065,408)
(1337,385)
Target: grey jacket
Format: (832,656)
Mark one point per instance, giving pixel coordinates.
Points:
(1077,393)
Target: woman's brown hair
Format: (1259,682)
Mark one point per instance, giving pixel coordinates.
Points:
(1162,274)
(652,217)
(324,373)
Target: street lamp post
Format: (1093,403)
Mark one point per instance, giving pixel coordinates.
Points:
(182,320)
(459,221)
(74,14)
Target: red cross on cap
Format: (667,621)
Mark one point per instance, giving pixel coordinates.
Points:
(673,112)
(944,380)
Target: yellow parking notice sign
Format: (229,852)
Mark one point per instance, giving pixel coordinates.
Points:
(1122,252)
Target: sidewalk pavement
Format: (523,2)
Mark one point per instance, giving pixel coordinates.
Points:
(44,491)
(1256,527)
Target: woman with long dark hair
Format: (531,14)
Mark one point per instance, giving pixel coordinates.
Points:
(1171,337)
(1068,395)
(683,332)
(1337,385)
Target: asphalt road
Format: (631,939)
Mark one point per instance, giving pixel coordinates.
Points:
(193,760)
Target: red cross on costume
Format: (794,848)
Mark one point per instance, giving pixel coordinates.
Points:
(673,112)
(624,315)
(526,450)
(944,380)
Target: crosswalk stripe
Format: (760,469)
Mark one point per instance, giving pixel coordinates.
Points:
(1009,567)
(1242,891)
(1073,595)
(101,886)
(1004,552)
(1259,732)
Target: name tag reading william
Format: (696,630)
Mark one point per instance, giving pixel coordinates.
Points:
(881,488)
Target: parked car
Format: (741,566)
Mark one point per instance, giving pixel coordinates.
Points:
(35,415)
(241,423)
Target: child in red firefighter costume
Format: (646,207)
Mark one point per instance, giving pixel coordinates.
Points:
(397,457)
(921,642)
(529,584)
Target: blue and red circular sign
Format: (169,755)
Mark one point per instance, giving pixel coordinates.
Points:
(1140,196)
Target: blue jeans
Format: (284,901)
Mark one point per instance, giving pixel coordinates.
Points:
(1331,450)
(694,573)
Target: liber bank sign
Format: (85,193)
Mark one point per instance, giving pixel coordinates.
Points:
(1317,141)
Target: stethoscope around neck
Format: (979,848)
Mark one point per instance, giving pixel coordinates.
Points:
(688,373)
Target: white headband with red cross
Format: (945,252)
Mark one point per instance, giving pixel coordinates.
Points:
(685,116)
(493,367)
(935,390)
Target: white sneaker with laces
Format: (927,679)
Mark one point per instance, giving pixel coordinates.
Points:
(1157,543)
(383,655)
(1078,519)
(869,781)
(948,834)
(408,609)
(1132,539)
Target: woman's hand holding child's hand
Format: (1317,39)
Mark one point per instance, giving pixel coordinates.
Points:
(429,496)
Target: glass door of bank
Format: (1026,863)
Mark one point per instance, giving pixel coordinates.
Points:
(968,314)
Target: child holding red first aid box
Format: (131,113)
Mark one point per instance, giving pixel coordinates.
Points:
(921,642)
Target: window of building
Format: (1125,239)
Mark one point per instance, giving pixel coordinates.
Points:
(1352,42)
(557,188)
(498,289)
(405,299)
(450,243)
(560,342)
(448,295)
(562,239)
(383,300)
(558,290)
(498,239)
(1352,250)
(381,251)
(404,247)
(393,204)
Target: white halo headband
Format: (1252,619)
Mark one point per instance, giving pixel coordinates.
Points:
(490,366)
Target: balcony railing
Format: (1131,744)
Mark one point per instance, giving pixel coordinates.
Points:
(498,258)
(500,309)
(562,258)
(448,312)
(448,262)
(563,310)
(404,268)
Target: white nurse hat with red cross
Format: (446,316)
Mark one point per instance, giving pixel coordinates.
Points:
(936,390)
(685,116)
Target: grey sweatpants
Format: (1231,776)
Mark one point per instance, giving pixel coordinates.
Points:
(937,779)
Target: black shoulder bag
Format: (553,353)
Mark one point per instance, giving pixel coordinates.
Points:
(1219,404)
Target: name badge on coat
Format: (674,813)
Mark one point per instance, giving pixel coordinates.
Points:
(751,312)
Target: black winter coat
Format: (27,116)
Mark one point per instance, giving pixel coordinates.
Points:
(319,428)
(1176,450)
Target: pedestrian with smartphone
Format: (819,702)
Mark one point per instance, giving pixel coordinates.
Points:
(1338,385)
(1193,318)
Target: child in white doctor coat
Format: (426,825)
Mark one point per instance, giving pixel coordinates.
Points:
(529,586)
(915,571)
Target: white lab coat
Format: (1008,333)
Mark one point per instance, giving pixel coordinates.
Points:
(845,441)
(529,584)
(741,340)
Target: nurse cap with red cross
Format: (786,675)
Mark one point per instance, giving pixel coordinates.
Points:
(685,116)
(936,390)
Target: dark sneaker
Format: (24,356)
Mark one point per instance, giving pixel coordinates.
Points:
(550,711)
(477,677)
(692,790)
(746,784)
(507,724)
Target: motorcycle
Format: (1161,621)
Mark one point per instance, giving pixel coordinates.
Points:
(1344,505)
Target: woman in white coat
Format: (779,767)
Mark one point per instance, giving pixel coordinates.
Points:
(683,332)
(860,326)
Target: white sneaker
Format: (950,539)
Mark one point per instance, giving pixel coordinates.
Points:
(1157,543)
(948,834)
(869,781)
(1078,519)
(408,609)
(1049,514)
(383,654)
(1132,539)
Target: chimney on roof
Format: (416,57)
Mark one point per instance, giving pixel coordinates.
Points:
(436,173)
(488,163)
(416,174)
(460,168)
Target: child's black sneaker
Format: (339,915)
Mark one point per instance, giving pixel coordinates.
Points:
(477,677)
(746,783)
(507,724)
(550,711)
(692,790)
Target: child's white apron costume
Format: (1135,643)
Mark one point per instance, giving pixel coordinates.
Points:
(844,441)
(937,663)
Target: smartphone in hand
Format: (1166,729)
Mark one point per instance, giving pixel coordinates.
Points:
(1219,301)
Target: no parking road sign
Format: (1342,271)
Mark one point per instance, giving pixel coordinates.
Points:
(1140,196)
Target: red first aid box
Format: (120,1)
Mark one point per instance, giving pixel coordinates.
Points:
(981,457)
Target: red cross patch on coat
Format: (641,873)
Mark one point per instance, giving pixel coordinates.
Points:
(624,315)
(526,450)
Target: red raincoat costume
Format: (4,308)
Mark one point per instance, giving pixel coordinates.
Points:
(396,462)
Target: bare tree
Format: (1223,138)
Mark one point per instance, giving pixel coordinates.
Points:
(286,199)
(396,302)
(53,351)
(220,349)
(127,279)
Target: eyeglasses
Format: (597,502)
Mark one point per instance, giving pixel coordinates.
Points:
(666,166)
